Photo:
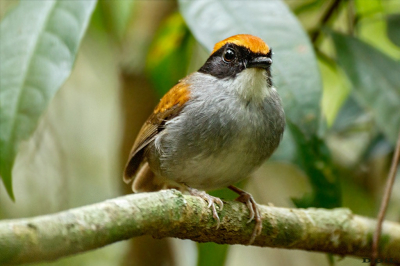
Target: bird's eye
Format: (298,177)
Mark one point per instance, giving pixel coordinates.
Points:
(229,55)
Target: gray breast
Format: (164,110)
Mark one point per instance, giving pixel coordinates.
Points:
(219,140)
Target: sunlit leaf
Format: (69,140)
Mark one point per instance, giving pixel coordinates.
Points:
(336,91)
(307,6)
(38,45)
(375,79)
(169,54)
(368,8)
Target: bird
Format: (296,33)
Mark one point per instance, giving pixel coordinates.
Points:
(213,128)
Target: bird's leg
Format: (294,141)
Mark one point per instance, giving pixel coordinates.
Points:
(211,202)
(251,204)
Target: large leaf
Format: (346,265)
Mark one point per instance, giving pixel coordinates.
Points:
(295,67)
(38,46)
(375,79)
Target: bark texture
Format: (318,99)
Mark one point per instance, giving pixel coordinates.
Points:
(171,214)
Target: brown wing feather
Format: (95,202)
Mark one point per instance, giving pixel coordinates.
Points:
(169,107)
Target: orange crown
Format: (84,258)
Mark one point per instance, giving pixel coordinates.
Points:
(253,43)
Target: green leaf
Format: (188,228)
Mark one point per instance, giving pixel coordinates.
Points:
(393,28)
(375,79)
(117,15)
(172,46)
(38,46)
(211,254)
(336,90)
(307,6)
(368,8)
(295,69)
(314,157)
(349,117)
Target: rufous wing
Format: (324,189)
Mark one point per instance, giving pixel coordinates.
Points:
(169,107)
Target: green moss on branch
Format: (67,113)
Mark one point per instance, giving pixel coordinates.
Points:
(171,214)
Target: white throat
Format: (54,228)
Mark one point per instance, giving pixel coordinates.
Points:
(250,84)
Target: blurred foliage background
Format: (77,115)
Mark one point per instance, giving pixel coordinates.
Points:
(336,66)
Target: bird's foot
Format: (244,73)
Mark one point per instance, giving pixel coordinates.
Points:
(211,202)
(251,204)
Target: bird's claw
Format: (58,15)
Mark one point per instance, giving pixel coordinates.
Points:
(251,204)
(211,202)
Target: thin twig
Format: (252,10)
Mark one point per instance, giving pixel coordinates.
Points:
(385,202)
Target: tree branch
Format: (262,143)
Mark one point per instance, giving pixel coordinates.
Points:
(171,214)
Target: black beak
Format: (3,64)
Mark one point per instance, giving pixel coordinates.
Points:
(260,62)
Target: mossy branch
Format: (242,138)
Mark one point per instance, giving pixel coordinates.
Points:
(171,214)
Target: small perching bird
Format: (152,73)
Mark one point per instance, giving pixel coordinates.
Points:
(214,128)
